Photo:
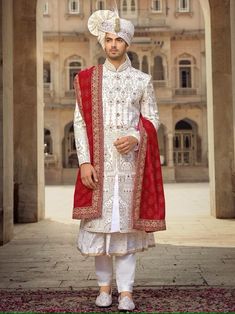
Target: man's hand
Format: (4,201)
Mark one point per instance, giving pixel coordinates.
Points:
(89,176)
(125,144)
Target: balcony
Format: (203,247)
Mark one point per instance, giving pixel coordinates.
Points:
(50,160)
(161,84)
(48,90)
(70,93)
(185,91)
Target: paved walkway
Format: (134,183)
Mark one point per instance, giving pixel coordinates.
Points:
(196,249)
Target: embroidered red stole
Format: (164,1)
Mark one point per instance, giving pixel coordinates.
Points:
(148,195)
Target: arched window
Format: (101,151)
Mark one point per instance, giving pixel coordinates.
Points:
(46,72)
(185,142)
(133,8)
(134,59)
(158,69)
(71,160)
(100,5)
(183,5)
(74,66)
(157,6)
(145,64)
(124,6)
(46,8)
(101,60)
(74,6)
(185,74)
(129,8)
(47,142)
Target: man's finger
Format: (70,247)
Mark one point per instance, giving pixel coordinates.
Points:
(120,141)
(120,146)
(91,182)
(124,150)
(87,181)
(94,175)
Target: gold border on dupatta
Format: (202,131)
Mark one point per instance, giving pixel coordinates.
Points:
(138,223)
(98,137)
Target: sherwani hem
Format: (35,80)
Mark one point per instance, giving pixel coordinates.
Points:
(116,243)
(117,254)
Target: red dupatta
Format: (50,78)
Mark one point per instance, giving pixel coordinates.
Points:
(148,195)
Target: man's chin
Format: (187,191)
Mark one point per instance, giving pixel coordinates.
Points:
(117,57)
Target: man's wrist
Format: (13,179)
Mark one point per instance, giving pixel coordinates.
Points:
(85,163)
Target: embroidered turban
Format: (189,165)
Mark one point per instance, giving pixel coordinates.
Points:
(106,21)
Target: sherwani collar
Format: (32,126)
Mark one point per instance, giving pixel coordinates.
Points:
(122,67)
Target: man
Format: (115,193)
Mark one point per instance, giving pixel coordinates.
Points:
(119,194)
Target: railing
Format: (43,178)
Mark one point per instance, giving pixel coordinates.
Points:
(48,89)
(160,83)
(185,91)
(70,93)
(50,160)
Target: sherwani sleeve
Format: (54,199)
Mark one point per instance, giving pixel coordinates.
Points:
(149,108)
(80,135)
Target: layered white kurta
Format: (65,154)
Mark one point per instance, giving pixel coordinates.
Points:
(126,92)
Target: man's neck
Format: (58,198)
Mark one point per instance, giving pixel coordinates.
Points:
(117,63)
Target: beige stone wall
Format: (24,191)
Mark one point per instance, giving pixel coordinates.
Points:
(181,35)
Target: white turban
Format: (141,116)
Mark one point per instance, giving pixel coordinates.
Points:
(106,21)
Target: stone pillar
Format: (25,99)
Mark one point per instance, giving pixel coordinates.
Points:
(220,119)
(6,118)
(204,136)
(232,15)
(28,111)
(170,158)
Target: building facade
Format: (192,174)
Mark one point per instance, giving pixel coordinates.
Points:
(169,44)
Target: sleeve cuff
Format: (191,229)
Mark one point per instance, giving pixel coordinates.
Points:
(83,160)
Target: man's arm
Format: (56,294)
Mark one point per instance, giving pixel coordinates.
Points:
(80,135)
(87,171)
(149,108)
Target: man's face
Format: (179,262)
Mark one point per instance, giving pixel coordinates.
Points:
(115,47)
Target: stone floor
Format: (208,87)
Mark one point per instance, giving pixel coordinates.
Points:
(196,249)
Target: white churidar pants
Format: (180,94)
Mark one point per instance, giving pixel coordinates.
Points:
(125,265)
(115,224)
(125,271)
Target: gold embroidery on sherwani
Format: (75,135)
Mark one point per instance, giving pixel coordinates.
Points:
(125,92)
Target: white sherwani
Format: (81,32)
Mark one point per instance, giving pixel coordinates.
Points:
(126,92)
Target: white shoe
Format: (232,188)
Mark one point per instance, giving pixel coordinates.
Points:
(126,304)
(103,299)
